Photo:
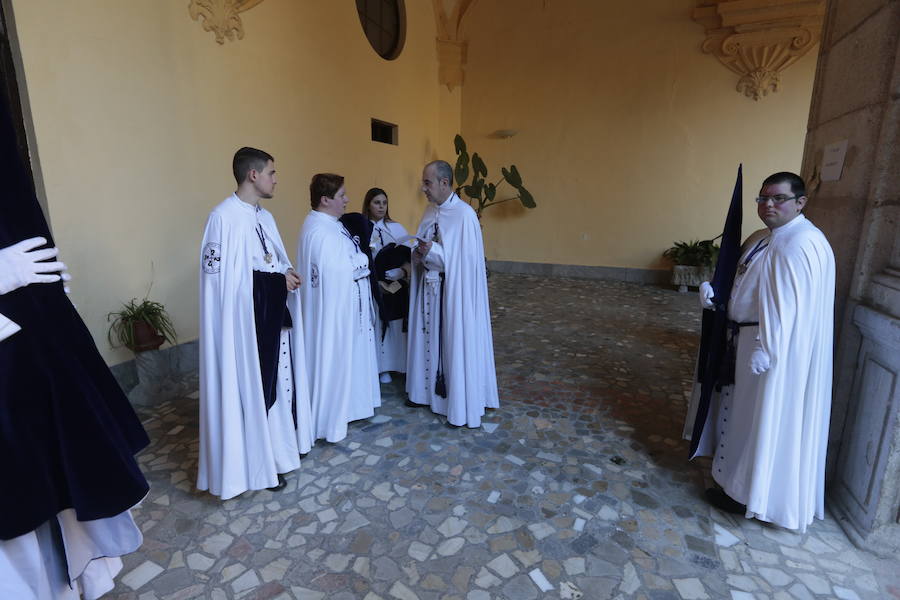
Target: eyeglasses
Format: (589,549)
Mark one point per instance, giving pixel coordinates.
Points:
(777,200)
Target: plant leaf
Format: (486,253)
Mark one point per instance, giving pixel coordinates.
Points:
(512,177)
(459,143)
(475,190)
(490,191)
(526,198)
(461,173)
(478,165)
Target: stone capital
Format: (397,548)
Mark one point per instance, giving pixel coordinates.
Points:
(759,39)
(451,62)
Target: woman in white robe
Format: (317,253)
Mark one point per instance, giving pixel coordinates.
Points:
(391,342)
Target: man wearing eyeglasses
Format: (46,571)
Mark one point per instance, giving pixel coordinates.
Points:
(771,426)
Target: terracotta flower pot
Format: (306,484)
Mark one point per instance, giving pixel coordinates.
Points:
(145,337)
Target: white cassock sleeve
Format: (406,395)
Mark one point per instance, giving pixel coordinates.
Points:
(434,260)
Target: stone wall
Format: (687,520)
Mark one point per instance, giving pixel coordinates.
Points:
(857,98)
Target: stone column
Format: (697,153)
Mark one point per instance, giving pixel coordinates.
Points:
(857,98)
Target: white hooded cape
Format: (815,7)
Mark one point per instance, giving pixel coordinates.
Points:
(468,351)
(771,430)
(241,447)
(338,320)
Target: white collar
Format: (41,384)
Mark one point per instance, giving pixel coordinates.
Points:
(450,199)
(789,225)
(245,205)
(324,214)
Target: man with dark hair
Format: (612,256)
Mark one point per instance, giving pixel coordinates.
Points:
(768,431)
(254,402)
(247,159)
(450,358)
(325,187)
(338,315)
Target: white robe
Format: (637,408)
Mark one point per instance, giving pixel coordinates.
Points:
(241,446)
(468,351)
(771,432)
(391,349)
(338,320)
(79,560)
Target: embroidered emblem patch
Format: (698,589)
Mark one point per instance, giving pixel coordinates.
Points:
(212,256)
(314,276)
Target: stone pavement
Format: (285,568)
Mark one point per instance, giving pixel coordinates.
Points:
(577,487)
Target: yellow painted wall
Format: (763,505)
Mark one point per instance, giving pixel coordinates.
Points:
(137,112)
(629,136)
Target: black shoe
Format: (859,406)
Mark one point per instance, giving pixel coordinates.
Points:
(412,404)
(282,482)
(723,501)
(450,425)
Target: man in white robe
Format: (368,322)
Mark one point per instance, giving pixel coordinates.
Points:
(450,358)
(338,315)
(768,432)
(254,415)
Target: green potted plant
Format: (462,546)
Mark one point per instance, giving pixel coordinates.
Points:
(694,262)
(140,326)
(482,195)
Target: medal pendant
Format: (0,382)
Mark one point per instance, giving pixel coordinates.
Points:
(268,257)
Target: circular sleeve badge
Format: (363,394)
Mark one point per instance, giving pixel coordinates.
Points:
(212,257)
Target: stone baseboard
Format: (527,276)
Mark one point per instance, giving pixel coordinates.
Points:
(646,276)
(159,368)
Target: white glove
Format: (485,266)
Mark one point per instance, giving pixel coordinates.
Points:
(706,295)
(20,265)
(394,274)
(759,362)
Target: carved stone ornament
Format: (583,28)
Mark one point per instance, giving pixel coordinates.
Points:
(451,50)
(759,39)
(221,16)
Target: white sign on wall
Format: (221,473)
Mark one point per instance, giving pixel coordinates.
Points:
(833,160)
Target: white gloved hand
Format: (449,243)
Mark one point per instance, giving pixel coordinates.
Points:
(394,274)
(20,265)
(706,295)
(759,362)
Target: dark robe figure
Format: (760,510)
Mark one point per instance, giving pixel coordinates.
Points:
(68,435)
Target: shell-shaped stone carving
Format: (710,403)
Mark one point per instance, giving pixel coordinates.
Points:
(222,17)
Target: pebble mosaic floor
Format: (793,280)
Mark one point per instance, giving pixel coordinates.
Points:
(577,487)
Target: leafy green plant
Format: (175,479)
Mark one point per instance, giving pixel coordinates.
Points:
(122,330)
(694,253)
(481,194)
